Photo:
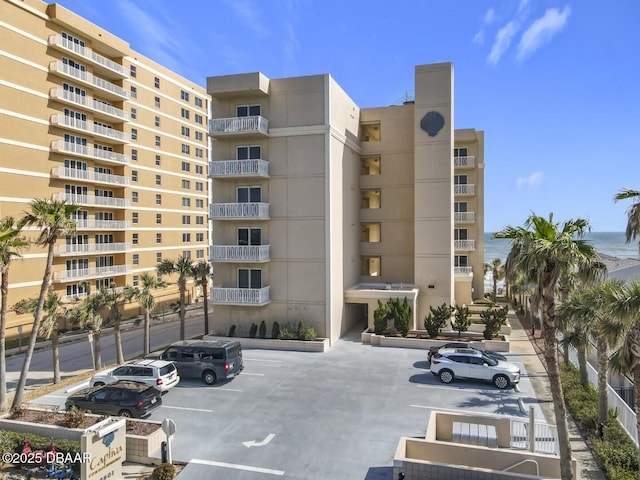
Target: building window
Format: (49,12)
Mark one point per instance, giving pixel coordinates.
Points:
(371,199)
(198,118)
(198,102)
(461,260)
(134,134)
(136,280)
(186,184)
(370,132)
(158,238)
(371,233)
(184,95)
(184,113)
(158,160)
(199,253)
(199,170)
(186,202)
(199,153)
(156,121)
(134,113)
(186,220)
(186,167)
(198,136)
(133,92)
(199,237)
(156,102)
(134,217)
(133,71)
(199,187)
(186,254)
(199,220)
(199,203)
(460,234)
(186,237)
(158,257)
(134,175)
(245,152)
(371,266)
(158,199)
(249,194)
(157,141)
(249,278)
(158,180)
(134,154)
(134,239)
(247,110)
(461,152)
(158,218)
(159,277)
(186,132)
(134,197)
(136,259)
(370,166)
(186,149)
(249,236)
(156,82)
(460,179)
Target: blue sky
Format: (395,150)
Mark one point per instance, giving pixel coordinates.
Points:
(553,83)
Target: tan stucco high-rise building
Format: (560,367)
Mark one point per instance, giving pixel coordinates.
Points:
(320,208)
(86,119)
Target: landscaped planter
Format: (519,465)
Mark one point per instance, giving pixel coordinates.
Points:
(499,344)
(318,345)
(145,449)
(479,328)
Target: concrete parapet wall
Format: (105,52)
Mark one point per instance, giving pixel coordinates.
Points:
(320,345)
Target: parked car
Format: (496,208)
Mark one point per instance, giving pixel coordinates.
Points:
(122,398)
(161,374)
(494,355)
(450,363)
(209,360)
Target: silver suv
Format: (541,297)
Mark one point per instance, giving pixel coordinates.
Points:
(160,373)
(450,363)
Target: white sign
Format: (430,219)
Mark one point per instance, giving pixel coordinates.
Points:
(168,427)
(90,337)
(105,447)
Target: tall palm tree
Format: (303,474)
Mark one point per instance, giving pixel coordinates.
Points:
(112,299)
(201,272)
(54,219)
(90,315)
(147,301)
(498,272)
(633,213)
(183,267)
(10,244)
(547,250)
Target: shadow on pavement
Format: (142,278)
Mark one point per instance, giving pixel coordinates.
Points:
(379,473)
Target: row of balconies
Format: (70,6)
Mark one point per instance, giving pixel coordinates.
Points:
(84,151)
(107,89)
(91,248)
(90,176)
(80,274)
(108,135)
(92,200)
(99,109)
(99,63)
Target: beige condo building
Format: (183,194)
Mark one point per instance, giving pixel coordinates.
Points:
(320,208)
(86,119)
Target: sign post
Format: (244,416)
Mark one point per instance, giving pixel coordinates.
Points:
(169,429)
(19,338)
(93,358)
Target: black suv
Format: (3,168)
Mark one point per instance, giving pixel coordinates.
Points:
(123,398)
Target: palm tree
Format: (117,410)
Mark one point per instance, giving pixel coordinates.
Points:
(147,301)
(10,245)
(183,267)
(54,219)
(90,315)
(112,299)
(498,272)
(547,250)
(633,213)
(200,272)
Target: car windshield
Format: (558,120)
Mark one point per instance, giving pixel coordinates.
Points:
(488,360)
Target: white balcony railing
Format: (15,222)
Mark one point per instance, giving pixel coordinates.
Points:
(240,296)
(464,217)
(103,63)
(464,244)
(464,189)
(109,134)
(100,109)
(85,151)
(464,162)
(92,248)
(80,296)
(108,89)
(235,211)
(239,253)
(236,125)
(92,200)
(90,176)
(87,273)
(462,270)
(103,225)
(239,168)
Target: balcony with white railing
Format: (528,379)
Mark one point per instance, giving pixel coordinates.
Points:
(91,248)
(99,109)
(464,162)
(103,225)
(79,296)
(92,200)
(240,296)
(106,67)
(464,217)
(238,126)
(239,211)
(89,273)
(464,189)
(107,89)
(239,253)
(467,245)
(90,176)
(462,270)
(109,135)
(239,168)
(70,148)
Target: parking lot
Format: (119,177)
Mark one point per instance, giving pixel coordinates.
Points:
(317,416)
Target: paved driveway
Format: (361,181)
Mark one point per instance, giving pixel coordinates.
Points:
(317,416)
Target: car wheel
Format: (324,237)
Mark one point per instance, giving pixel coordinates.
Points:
(125,413)
(98,384)
(209,377)
(446,376)
(501,381)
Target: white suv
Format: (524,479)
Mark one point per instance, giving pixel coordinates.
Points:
(162,374)
(450,363)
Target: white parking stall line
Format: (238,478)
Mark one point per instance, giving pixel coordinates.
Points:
(51,395)
(190,409)
(253,374)
(236,466)
(77,387)
(505,392)
(262,360)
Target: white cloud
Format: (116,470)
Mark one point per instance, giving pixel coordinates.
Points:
(531,181)
(247,12)
(523,5)
(479,37)
(502,41)
(490,16)
(542,31)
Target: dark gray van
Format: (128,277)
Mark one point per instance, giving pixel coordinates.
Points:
(210,360)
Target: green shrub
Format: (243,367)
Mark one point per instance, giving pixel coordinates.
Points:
(232,331)
(275,330)
(435,321)
(380,318)
(253,330)
(164,471)
(262,331)
(401,313)
(462,319)
(493,320)
(74,418)
(288,332)
(13,442)
(308,333)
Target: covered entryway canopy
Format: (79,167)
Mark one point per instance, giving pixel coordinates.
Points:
(370,293)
